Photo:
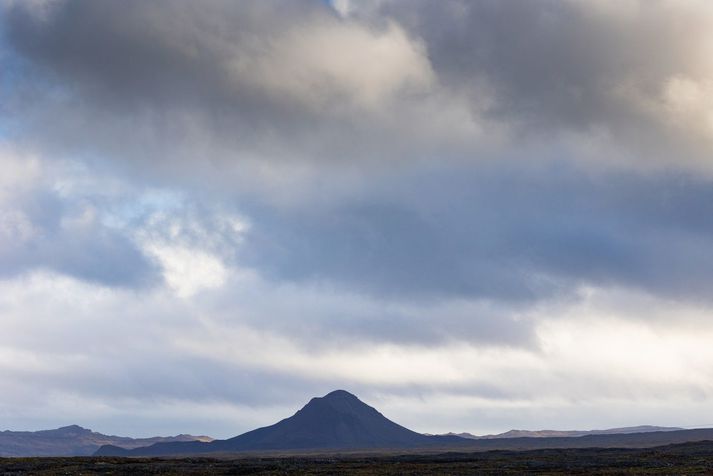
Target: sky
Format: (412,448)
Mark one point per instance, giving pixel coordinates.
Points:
(474,215)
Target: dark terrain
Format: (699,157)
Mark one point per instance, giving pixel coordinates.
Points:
(73,440)
(688,458)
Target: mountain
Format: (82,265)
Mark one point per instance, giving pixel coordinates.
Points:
(339,420)
(633,429)
(73,441)
(645,439)
(568,433)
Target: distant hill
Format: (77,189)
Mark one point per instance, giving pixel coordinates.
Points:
(73,441)
(567,433)
(339,420)
(624,440)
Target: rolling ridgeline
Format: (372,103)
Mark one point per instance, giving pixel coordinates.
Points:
(337,422)
(340,421)
(73,440)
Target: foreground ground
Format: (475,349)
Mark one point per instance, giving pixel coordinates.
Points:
(689,458)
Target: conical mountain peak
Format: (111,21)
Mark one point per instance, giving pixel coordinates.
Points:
(340,408)
(340,394)
(338,420)
(335,398)
(339,400)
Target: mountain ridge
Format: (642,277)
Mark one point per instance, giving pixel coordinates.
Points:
(567,433)
(338,420)
(74,440)
(335,422)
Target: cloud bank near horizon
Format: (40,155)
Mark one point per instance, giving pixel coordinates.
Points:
(477,216)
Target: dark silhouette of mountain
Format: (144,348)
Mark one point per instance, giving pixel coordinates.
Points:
(568,433)
(72,440)
(634,429)
(625,440)
(339,420)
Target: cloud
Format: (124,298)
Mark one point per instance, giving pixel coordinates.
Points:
(333,62)
(151,356)
(623,69)
(512,235)
(263,96)
(193,246)
(240,204)
(302,54)
(254,87)
(41,228)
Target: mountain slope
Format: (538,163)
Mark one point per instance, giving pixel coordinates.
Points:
(72,441)
(339,420)
(628,440)
(568,433)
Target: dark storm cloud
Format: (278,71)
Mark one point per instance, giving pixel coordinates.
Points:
(176,82)
(148,62)
(164,86)
(180,81)
(141,51)
(509,234)
(555,64)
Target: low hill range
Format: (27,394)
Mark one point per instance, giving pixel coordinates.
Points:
(567,433)
(73,440)
(339,421)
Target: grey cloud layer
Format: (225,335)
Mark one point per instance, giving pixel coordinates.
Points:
(547,66)
(309,196)
(179,87)
(255,81)
(506,234)
(294,81)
